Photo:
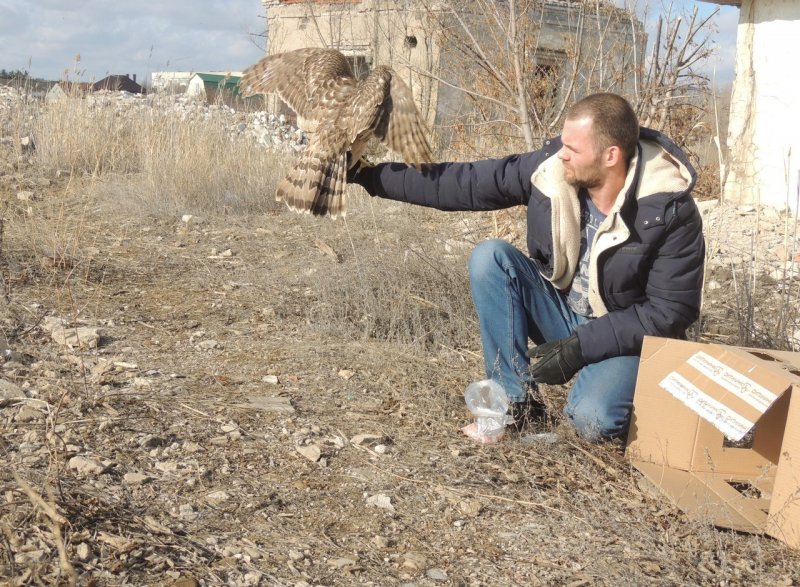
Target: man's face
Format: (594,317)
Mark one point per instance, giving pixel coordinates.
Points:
(582,167)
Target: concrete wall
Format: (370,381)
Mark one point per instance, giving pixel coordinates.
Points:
(764,131)
(170,81)
(380,32)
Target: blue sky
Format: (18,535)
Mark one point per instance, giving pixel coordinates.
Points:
(126,36)
(141,36)
(719,68)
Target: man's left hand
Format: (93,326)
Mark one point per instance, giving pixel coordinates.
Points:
(558,360)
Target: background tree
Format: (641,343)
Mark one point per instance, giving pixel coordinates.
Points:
(518,64)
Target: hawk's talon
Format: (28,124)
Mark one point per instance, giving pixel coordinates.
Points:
(363,163)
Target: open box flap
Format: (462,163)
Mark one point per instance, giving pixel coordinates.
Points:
(707,497)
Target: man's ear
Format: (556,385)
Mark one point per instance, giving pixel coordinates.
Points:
(612,156)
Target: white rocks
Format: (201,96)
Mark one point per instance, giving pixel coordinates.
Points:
(436,575)
(28,413)
(380,500)
(414,560)
(217,497)
(9,392)
(166,466)
(310,451)
(83,551)
(136,478)
(85,465)
(187,512)
(207,345)
(381,542)
(84,337)
(341,563)
(471,507)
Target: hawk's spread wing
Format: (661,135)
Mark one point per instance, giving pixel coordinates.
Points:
(400,125)
(370,98)
(313,82)
(319,85)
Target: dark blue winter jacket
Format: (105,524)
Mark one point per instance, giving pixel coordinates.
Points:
(646,269)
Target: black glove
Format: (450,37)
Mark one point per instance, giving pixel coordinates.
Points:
(356,174)
(558,360)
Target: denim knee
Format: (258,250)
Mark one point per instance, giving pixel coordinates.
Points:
(595,421)
(487,257)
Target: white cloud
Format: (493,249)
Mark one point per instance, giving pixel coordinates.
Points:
(43,36)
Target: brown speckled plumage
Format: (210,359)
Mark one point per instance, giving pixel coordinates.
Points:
(344,113)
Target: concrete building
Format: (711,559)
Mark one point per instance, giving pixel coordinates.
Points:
(764,130)
(170,82)
(408,36)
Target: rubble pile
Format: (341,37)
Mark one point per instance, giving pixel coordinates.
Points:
(272,131)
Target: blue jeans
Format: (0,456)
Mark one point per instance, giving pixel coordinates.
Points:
(514,304)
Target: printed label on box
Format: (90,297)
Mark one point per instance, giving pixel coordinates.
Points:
(743,387)
(733,425)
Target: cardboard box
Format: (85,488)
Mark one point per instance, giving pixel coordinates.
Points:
(717,430)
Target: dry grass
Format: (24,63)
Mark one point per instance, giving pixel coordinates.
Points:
(198,167)
(161,160)
(368,326)
(86,137)
(402,286)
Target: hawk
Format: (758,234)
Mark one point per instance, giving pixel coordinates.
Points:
(343,113)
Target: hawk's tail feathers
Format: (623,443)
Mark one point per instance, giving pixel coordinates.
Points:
(315,186)
(330,198)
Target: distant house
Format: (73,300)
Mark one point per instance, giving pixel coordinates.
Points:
(171,82)
(212,87)
(118,83)
(63,89)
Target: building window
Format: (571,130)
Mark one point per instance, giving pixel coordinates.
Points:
(547,71)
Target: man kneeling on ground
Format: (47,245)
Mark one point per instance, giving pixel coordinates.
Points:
(615,252)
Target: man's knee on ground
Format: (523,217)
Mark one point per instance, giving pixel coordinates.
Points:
(595,422)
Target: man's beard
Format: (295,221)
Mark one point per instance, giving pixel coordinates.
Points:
(592,179)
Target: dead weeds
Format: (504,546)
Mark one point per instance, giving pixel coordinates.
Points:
(276,400)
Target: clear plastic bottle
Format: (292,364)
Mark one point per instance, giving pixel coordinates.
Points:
(488,402)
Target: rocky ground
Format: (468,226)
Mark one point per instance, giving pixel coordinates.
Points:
(277,400)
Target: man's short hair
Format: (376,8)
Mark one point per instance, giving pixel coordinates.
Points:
(614,122)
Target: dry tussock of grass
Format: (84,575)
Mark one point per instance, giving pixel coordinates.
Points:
(160,162)
(397,284)
(82,136)
(188,166)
